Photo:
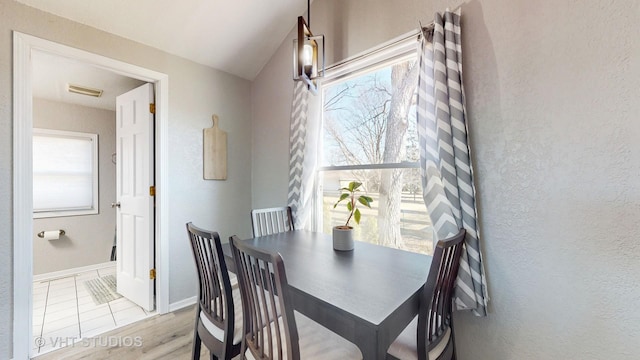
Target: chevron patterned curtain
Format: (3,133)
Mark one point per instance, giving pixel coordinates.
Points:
(298,189)
(447,175)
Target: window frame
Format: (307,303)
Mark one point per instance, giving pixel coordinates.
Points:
(405,46)
(94,209)
(401,48)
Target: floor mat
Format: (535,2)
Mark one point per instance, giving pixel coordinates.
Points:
(102,289)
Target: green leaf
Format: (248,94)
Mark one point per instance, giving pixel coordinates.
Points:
(369,199)
(364,201)
(349,206)
(342,197)
(356,216)
(354,185)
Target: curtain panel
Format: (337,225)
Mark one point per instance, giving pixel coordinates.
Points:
(303,154)
(447,174)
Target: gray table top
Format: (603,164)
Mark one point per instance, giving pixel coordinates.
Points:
(370,282)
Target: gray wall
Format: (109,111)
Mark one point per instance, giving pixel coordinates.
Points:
(89,238)
(552,93)
(195,93)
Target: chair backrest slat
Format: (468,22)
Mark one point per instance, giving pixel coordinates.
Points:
(271,221)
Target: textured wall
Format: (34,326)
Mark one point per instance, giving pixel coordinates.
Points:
(552,93)
(89,238)
(195,93)
(271,111)
(553,89)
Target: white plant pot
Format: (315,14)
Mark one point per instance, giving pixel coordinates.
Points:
(342,238)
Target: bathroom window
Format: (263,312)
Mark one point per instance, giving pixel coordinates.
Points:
(65,173)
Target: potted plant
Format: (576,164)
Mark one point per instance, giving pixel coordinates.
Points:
(343,234)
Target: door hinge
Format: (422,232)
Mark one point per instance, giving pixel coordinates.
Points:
(152,190)
(152,274)
(152,108)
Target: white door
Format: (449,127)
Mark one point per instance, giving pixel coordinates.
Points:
(135,196)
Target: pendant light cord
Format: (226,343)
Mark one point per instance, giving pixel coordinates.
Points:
(309,13)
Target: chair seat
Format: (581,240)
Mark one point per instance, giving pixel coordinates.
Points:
(317,342)
(217,332)
(406,348)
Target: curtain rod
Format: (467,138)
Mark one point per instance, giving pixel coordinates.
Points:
(418,33)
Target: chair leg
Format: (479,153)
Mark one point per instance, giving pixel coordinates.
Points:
(197,342)
(196,347)
(453,343)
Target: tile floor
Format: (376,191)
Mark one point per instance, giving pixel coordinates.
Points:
(64,311)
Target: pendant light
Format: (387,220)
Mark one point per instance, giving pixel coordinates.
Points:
(308,54)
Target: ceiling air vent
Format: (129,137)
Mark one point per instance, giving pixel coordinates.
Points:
(82,90)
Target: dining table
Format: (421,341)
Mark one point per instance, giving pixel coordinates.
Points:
(367,295)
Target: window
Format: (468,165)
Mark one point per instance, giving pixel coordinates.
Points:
(369,135)
(65,173)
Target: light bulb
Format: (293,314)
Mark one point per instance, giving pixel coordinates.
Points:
(307,58)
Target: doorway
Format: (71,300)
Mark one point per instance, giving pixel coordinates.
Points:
(24,45)
(76,290)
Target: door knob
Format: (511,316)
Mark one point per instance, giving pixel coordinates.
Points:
(115,204)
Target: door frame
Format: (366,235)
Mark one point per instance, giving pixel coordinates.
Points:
(23,45)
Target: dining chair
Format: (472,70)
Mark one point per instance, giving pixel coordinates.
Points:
(271,220)
(430,335)
(218,316)
(273,330)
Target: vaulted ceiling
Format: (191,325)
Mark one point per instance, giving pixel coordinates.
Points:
(235,36)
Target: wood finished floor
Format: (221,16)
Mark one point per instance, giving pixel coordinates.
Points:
(170,336)
(167,336)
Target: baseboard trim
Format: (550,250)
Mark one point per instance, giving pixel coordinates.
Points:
(194,299)
(183,303)
(69,272)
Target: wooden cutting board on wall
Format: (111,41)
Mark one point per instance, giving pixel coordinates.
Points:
(215,152)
